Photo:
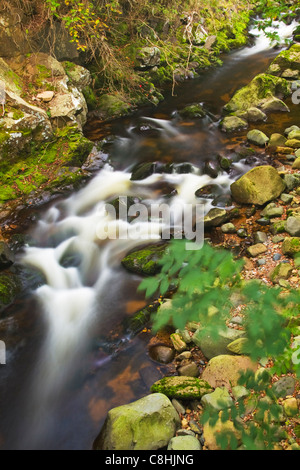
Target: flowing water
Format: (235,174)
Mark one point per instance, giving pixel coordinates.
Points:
(69,359)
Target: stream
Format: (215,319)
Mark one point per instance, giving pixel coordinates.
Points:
(68,358)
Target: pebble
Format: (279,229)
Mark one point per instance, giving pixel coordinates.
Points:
(277,257)
(261,262)
(178,407)
(264,221)
(189,370)
(260,237)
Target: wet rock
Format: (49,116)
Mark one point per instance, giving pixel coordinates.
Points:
(296,164)
(7,258)
(193,111)
(216,217)
(257,137)
(256,250)
(291,181)
(162,354)
(224,370)
(293,143)
(182,387)
(273,104)
(10,288)
(125,425)
(233,124)
(290,129)
(112,106)
(211,169)
(242,233)
(256,115)
(277,140)
(184,443)
(286,198)
(218,400)
(145,261)
(258,186)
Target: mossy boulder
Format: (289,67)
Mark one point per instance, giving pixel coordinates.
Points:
(182,387)
(112,106)
(146,424)
(288,59)
(145,261)
(261,87)
(193,111)
(233,124)
(258,186)
(291,246)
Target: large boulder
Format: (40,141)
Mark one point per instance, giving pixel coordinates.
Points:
(224,370)
(258,186)
(262,86)
(146,424)
(211,345)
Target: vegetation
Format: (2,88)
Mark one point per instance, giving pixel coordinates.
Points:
(207,282)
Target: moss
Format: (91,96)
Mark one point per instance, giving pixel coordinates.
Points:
(90,98)
(145,261)
(182,387)
(9,288)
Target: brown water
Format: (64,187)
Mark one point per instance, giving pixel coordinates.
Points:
(113,369)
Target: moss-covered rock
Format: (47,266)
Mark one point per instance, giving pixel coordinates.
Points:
(182,387)
(233,124)
(262,86)
(288,59)
(282,271)
(224,370)
(146,424)
(257,137)
(145,261)
(193,111)
(112,106)
(10,286)
(291,246)
(258,186)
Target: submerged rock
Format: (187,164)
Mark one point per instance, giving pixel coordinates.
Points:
(146,424)
(258,186)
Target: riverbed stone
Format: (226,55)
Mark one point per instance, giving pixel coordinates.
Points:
(274,104)
(260,237)
(146,424)
(189,370)
(255,114)
(272,210)
(291,246)
(282,271)
(145,261)
(257,137)
(212,345)
(228,228)
(211,433)
(277,140)
(296,164)
(258,186)
(184,443)
(284,386)
(293,226)
(256,250)
(182,387)
(193,111)
(224,370)
(216,217)
(218,400)
(233,124)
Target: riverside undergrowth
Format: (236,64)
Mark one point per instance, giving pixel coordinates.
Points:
(206,284)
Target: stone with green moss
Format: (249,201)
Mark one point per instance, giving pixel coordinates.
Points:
(10,287)
(218,400)
(112,106)
(258,186)
(233,124)
(288,59)
(262,86)
(257,137)
(193,111)
(146,424)
(146,260)
(291,246)
(182,387)
(282,271)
